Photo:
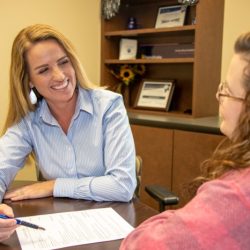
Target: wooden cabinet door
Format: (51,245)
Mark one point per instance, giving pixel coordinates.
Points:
(154,145)
(190,149)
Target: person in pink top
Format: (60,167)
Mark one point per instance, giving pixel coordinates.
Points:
(218,215)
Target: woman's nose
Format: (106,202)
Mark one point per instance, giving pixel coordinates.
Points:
(58,74)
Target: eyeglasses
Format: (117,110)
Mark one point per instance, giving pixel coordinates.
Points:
(221,93)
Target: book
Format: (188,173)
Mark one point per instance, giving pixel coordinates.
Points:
(166,50)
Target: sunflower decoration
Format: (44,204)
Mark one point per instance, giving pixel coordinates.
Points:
(127,74)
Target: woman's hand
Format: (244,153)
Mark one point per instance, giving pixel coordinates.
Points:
(37,190)
(7,226)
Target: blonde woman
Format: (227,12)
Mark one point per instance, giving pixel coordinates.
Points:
(79,133)
(218,216)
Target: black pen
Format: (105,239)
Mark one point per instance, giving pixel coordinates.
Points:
(21,222)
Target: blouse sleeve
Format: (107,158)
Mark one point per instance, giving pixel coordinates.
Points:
(15,145)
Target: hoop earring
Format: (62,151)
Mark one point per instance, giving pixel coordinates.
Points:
(32,96)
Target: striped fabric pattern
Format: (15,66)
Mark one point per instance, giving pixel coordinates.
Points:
(94,161)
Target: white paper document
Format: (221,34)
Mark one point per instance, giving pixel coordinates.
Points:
(73,228)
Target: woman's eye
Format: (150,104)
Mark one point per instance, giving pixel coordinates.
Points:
(64,62)
(41,71)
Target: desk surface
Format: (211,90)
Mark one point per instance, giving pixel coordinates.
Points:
(133,212)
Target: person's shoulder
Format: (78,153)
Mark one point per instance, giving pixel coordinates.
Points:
(104,96)
(25,122)
(102,93)
(33,116)
(237,175)
(234,180)
(242,178)
(100,100)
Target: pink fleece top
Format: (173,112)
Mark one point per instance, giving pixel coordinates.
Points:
(218,217)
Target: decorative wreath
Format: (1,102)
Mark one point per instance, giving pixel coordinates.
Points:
(110,8)
(188,2)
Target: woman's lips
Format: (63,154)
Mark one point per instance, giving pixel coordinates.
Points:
(61,86)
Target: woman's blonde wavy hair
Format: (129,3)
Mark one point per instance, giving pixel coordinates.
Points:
(231,154)
(19,103)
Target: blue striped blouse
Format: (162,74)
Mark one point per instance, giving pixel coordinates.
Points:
(94,161)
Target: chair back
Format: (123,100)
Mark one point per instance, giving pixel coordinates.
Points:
(138,171)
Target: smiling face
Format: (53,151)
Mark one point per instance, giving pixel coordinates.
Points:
(232,99)
(51,73)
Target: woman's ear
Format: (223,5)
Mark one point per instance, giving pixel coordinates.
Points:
(31,85)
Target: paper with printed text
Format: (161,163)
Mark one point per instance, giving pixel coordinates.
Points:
(73,228)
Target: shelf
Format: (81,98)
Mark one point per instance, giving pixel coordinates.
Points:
(150,61)
(150,31)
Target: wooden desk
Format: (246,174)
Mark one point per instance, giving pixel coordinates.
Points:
(134,213)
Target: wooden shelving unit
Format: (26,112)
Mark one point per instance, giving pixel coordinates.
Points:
(196,77)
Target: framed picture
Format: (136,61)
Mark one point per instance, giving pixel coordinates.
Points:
(155,94)
(171,16)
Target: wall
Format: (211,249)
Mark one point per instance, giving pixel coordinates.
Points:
(236,21)
(79,20)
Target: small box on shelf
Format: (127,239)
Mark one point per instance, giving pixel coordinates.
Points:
(128,49)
